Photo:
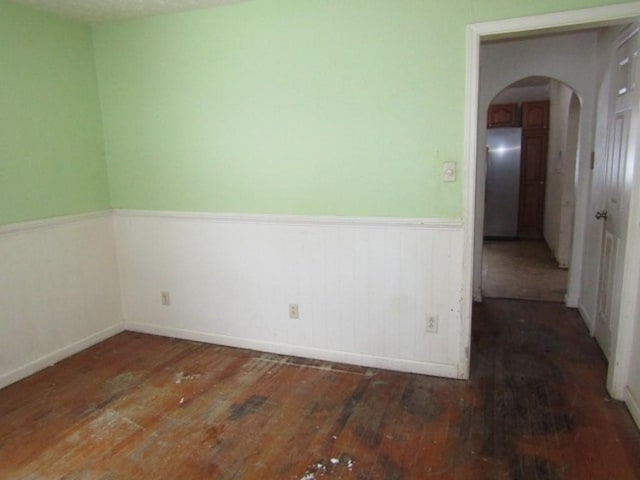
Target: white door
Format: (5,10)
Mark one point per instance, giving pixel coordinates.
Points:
(616,191)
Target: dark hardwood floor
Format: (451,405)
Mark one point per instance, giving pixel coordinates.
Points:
(144,407)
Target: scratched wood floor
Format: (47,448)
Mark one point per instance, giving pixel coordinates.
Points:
(144,407)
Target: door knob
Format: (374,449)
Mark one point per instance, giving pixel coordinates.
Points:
(602,214)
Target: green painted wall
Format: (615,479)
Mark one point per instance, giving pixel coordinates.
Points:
(332,107)
(51,147)
(283,106)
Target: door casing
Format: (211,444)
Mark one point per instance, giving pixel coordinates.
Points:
(567,21)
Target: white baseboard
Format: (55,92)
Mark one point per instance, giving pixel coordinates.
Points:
(58,355)
(571,301)
(633,405)
(477,295)
(425,368)
(587,319)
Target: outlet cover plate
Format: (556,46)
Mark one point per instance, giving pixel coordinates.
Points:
(431,324)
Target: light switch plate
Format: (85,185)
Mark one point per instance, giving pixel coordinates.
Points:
(449,171)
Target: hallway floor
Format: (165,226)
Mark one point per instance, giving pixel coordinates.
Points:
(522,269)
(140,407)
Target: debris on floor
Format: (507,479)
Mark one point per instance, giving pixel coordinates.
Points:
(180,377)
(323,467)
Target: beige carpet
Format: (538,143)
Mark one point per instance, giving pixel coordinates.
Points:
(522,269)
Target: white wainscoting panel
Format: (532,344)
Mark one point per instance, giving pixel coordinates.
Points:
(365,287)
(59,291)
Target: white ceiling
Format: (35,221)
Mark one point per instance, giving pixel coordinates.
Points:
(100,11)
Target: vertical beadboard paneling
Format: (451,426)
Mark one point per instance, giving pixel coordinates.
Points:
(59,291)
(364,287)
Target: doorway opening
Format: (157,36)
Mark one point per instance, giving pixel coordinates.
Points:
(529,161)
(584,266)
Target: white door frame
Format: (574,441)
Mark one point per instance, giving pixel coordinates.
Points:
(618,376)
(570,20)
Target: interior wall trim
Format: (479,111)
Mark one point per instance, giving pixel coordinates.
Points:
(499,29)
(364,360)
(431,223)
(632,404)
(586,318)
(20,227)
(568,20)
(54,357)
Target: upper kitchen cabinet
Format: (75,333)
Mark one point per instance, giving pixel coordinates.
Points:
(504,115)
(535,114)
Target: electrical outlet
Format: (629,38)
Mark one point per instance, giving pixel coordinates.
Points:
(165,298)
(431,324)
(293,311)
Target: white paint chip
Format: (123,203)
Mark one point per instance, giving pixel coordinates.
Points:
(180,377)
(323,468)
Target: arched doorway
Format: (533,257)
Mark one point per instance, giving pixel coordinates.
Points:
(529,165)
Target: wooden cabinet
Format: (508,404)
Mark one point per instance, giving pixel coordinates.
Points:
(535,114)
(533,167)
(504,115)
